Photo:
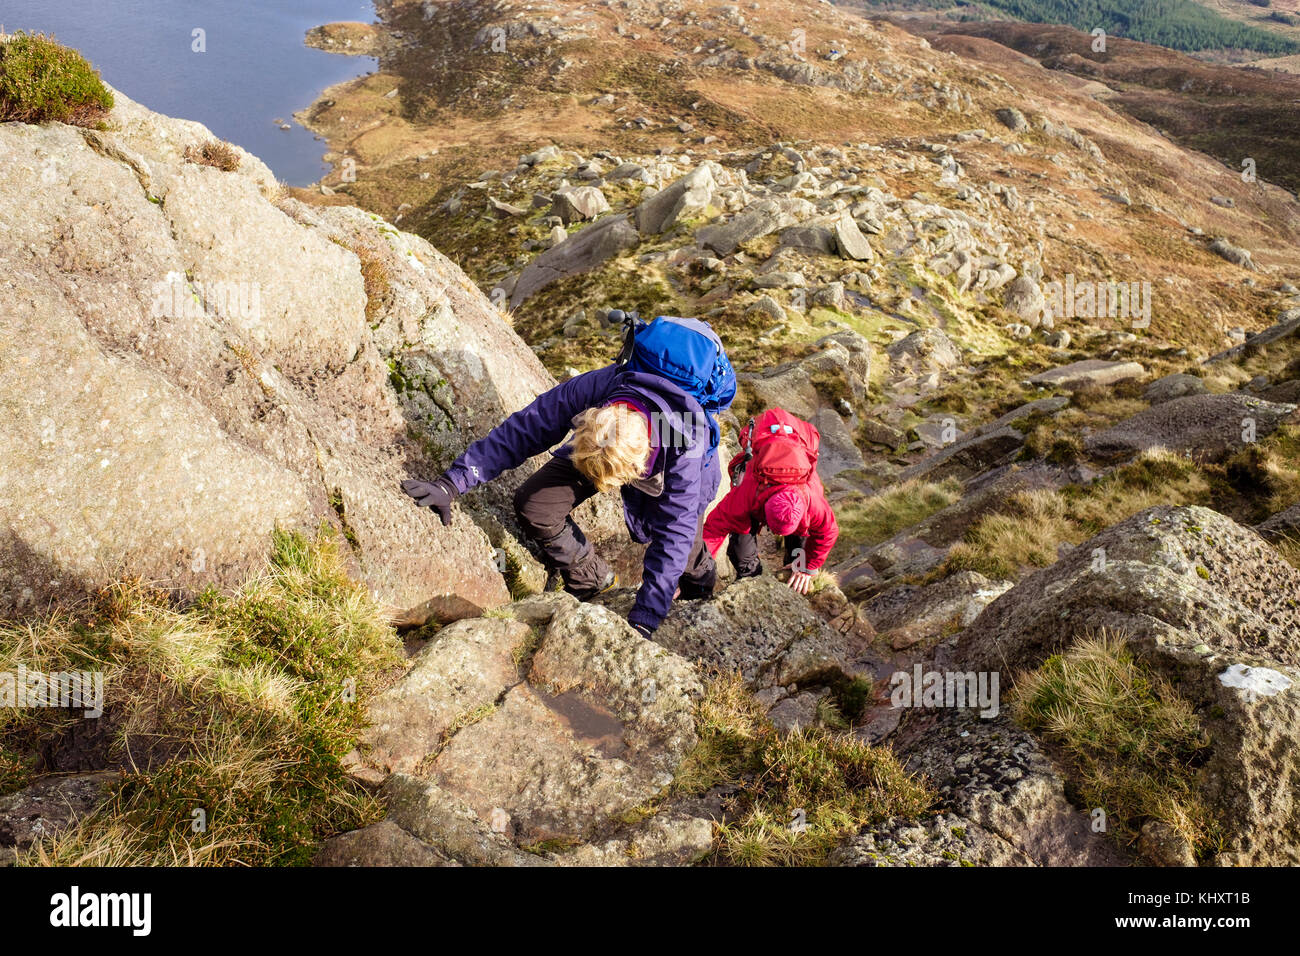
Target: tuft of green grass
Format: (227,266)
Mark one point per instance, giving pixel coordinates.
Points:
(1132,743)
(42,81)
(870,519)
(245,704)
(798,795)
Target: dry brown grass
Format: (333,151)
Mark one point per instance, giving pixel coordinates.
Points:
(1036,523)
(234,706)
(215,153)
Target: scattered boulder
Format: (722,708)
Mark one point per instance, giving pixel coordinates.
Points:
(1206,426)
(583,251)
(767,306)
(1087,374)
(922,351)
(1025,300)
(547,154)
(811,240)
(779,280)
(1012,119)
(1177,385)
(756,220)
(851,242)
(690,196)
(791,386)
(578,203)
(969,455)
(1234,254)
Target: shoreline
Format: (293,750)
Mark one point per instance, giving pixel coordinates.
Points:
(342,38)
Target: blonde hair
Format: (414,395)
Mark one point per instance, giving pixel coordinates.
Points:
(611,446)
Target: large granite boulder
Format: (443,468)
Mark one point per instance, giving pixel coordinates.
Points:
(1211,606)
(190,367)
(1207,427)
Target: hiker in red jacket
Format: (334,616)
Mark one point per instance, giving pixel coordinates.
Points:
(774,483)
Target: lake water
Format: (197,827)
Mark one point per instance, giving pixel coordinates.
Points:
(255,70)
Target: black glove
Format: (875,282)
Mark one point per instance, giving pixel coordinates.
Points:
(437,495)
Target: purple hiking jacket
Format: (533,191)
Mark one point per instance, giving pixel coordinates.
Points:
(687,460)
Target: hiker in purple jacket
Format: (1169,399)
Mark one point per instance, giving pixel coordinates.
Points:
(664,505)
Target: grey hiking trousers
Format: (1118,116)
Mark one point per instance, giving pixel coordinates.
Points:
(543,504)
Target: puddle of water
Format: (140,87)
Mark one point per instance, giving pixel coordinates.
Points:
(592,725)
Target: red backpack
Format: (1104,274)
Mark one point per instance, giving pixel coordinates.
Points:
(777,449)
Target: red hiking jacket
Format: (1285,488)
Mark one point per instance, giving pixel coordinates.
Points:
(743,505)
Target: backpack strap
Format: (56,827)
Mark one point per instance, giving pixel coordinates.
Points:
(742,460)
(629,322)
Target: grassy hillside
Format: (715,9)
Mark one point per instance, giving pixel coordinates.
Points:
(1179,24)
(1228,112)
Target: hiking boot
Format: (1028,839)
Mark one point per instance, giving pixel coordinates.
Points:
(587,594)
(694,592)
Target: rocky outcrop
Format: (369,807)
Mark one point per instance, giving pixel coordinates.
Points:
(913,614)
(555,732)
(943,840)
(191,366)
(764,631)
(48,808)
(1089,373)
(1211,606)
(464,670)
(455,367)
(1002,801)
(1205,426)
(581,252)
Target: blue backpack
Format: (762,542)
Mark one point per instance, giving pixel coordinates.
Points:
(687,352)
